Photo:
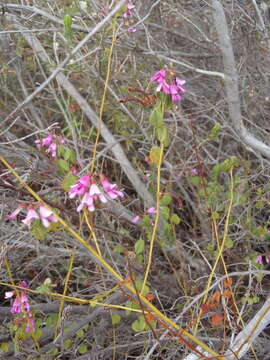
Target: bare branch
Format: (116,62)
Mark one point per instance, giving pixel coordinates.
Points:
(61,66)
(231,82)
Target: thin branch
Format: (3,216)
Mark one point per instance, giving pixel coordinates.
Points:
(231,82)
(62,65)
(193,68)
(93,118)
(36,10)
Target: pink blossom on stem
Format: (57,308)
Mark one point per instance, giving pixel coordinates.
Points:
(135,219)
(131,29)
(175,89)
(260,259)
(111,189)
(174,93)
(164,87)
(80,187)
(52,150)
(46,216)
(159,76)
(127,12)
(96,193)
(179,84)
(152,210)
(50,142)
(31,214)
(21,306)
(47,141)
(87,200)
(14,214)
(194,171)
(74,171)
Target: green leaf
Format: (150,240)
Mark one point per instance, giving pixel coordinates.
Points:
(165,213)
(70,156)
(51,320)
(195,180)
(215,215)
(139,324)
(43,289)
(4,346)
(62,166)
(116,319)
(139,284)
(166,200)
(68,26)
(156,117)
(168,231)
(38,230)
(229,243)
(155,155)
(214,131)
(229,163)
(119,249)
(163,135)
(82,349)
(259,205)
(146,221)
(68,181)
(67,344)
(139,246)
(175,219)
(139,259)
(80,334)
(61,149)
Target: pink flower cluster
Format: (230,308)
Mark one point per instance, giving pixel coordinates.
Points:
(175,88)
(50,142)
(260,259)
(91,193)
(44,214)
(127,14)
(21,306)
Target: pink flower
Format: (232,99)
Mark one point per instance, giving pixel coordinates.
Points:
(21,306)
(111,189)
(52,150)
(152,210)
(48,140)
(96,193)
(91,197)
(31,214)
(46,216)
(175,89)
(135,219)
(260,259)
(14,214)
(159,76)
(74,171)
(174,93)
(128,13)
(80,187)
(194,171)
(179,84)
(131,29)
(163,86)
(88,201)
